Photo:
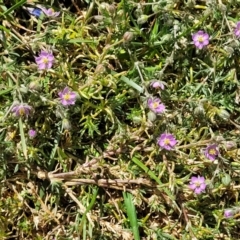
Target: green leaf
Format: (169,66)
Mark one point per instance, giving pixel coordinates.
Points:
(152,175)
(131,212)
(11,9)
(130,83)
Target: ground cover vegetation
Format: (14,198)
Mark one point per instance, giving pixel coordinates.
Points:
(119,119)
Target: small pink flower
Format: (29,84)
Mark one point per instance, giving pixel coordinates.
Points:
(21,110)
(237,30)
(157,85)
(167,141)
(67,97)
(211,152)
(155,105)
(32,133)
(200,39)
(228,213)
(50,12)
(45,60)
(197,184)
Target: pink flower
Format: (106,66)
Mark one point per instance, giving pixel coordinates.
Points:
(67,97)
(228,213)
(32,133)
(166,141)
(21,109)
(211,152)
(197,184)
(237,30)
(200,39)
(50,12)
(155,105)
(157,85)
(45,60)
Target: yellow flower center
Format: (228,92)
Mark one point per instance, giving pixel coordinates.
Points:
(21,111)
(45,60)
(197,183)
(66,96)
(166,141)
(212,152)
(155,105)
(200,39)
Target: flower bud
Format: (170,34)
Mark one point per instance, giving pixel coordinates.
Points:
(98,18)
(100,68)
(151,116)
(230,145)
(138,12)
(222,113)
(142,19)
(103,6)
(66,124)
(133,93)
(226,179)
(234,44)
(157,84)
(137,120)
(120,13)
(199,110)
(59,112)
(222,8)
(218,138)
(32,133)
(229,50)
(128,36)
(34,86)
(111,9)
(23,89)
(166,38)
(228,213)
(156,8)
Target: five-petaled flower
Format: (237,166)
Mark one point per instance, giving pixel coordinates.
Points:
(228,213)
(155,105)
(32,133)
(197,184)
(237,30)
(167,141)
(200,39)
(21,109)
(45,60)
(50,12)
(67,97)
(211,152)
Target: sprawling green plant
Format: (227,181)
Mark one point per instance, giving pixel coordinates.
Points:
(119,119)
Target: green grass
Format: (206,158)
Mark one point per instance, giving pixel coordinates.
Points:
(96,169)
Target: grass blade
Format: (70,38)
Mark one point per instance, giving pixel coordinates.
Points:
(11,9)
(131,212)
(152,175)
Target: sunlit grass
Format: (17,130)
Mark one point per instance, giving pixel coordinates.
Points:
(136,115)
